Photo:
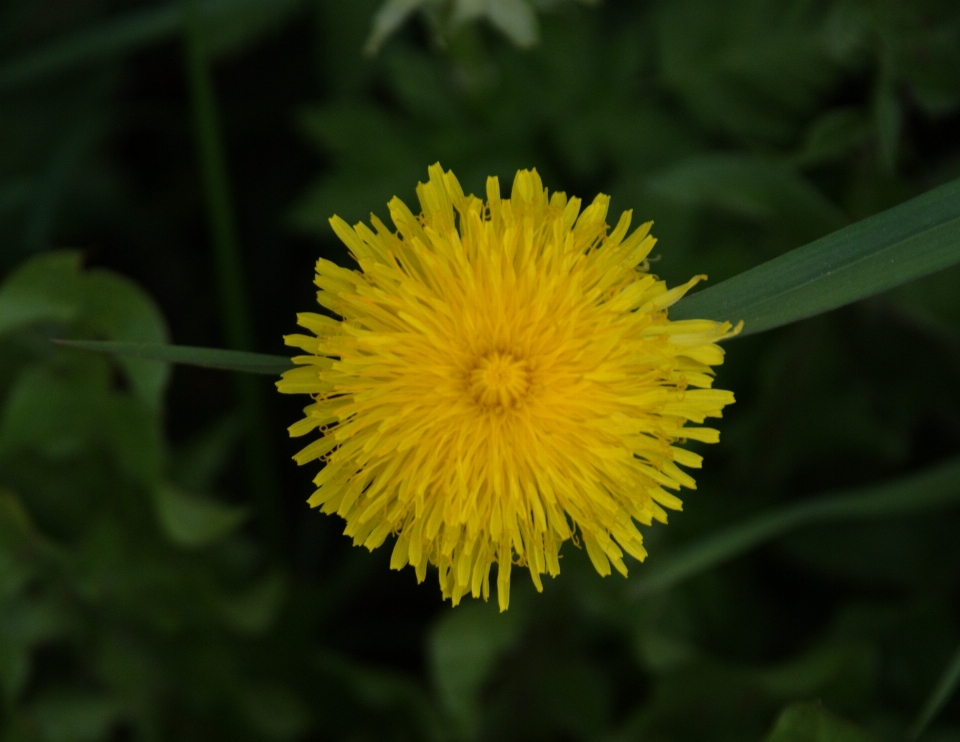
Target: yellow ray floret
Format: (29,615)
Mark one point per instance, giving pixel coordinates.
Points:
(502,376)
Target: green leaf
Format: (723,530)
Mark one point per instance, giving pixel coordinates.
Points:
(134,433)
(515,18)
(226,360)
(46,288)
(51,287)
(933,488)
(464,648)
(753,68)
(388,19)
(807,722)
(24,624)
(16,527)
(116,308)
(74,716)
(943,691)
(254,611)
(275,712)
(898,245)
(193,522)
(843,675)
(198,463)
(379,689)
(58,414)
(832,136)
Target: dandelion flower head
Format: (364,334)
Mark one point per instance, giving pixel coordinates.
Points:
(500,377)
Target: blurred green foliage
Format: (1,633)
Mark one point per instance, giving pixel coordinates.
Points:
(139,598)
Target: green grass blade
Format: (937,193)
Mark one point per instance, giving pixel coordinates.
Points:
(936,487)
(893,247)
(942,692)
(227,360)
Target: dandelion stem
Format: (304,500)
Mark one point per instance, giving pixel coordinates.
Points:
(233,296)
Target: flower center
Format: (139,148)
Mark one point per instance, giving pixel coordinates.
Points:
(499,380)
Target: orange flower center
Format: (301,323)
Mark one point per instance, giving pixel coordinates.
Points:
(500,380)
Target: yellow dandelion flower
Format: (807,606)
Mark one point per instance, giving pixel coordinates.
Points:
(501,376)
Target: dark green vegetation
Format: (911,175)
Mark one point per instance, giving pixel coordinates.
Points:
(161,577)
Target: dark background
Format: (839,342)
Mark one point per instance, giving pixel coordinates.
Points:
(142,596)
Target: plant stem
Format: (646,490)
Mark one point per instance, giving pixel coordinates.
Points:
(232,290)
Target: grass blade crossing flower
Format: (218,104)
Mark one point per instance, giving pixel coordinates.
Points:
(500,377)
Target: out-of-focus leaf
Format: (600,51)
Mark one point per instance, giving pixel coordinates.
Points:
(464,648)
(275,712)
(55,413)
(938,487)
(557,695)
(197,464)
(421,86)
(388,19)
(52,288)
(903,243)
(751,187)
(25,623)
(192,521)
(944,690)
(118,309)
(752,68)
(74,716)
(16,527)
(384,689)
(921,45)
(21,623)
(226,360)
(843,675)
(380,153)
(134,433)
(254,610)
(515,18)
(46,288)
(804,722)
(832,136)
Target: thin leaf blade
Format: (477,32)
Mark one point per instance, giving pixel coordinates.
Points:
(226,360)
(898,245)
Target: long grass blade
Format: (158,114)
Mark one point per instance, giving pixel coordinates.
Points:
(225,360)
(893,247)
(937,487)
